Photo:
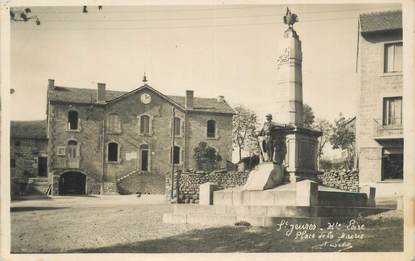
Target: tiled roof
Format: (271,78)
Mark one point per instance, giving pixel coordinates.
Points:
(28,129)
(381,21)
(205,104)
(89,96)
(79,95)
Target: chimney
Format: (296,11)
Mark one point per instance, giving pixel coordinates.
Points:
(189,100)
(221,98)
(51,83)
(101,93)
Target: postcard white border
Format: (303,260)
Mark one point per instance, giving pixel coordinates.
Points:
(408,8)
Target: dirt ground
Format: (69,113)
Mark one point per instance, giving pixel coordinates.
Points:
(125,224)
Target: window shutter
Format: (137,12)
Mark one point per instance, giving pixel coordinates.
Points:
(398,57)
(389,58)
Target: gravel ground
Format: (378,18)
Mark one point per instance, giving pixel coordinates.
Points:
(127,224)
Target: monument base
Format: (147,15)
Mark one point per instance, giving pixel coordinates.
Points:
(302,193)
(264,215)
(302,202)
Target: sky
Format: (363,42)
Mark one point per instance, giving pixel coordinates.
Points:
(228,50)
(213,50)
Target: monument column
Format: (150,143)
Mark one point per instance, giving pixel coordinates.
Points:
(289,82)
(301,157)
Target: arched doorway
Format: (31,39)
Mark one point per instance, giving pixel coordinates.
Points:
(72,183)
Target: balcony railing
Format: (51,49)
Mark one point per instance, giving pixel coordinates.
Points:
(67,163)
(73,163)
(388,131)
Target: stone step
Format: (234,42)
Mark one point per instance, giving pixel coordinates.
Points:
(42,180)
(287,196)
(37,189)
(342,198)
(253,197)
(276,211)
(230,220)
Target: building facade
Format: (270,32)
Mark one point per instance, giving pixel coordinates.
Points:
(379,122)
(28,157)
(103,141)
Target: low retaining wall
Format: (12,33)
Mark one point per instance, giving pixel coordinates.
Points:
(341,179)
(189,183)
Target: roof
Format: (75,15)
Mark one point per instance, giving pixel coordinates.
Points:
(381,21)
(89,96)
(28,129)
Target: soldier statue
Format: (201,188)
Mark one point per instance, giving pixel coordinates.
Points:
(273,143)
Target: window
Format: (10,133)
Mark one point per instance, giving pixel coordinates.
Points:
(17,143)
(73,120)
(145,157)
(392,163)
(392,111)
(393,58)
(113,152)
(61,151)
(177,126)
(176,155)
(72,149)
(12,163)
(211,129)
(145,124)
(113,123)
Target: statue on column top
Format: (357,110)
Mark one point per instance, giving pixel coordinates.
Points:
(290,18)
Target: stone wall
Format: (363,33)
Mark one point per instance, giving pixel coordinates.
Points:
(341,179)
(144,183)
(88,138)
(190,182)
(26,153)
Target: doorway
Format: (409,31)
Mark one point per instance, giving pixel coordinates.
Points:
(72,183)
(42,164)
(144,158)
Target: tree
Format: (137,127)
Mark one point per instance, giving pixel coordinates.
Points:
(326,128)
(206,156)
(343,137)
(308,116)
(244,125)
(24,14)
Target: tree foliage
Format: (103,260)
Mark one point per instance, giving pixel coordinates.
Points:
(25,14)
(326,128)
(308,116)
(244,124)
(206,157)
(343,137)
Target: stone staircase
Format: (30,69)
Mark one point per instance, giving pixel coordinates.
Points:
(37,186)
(129,174)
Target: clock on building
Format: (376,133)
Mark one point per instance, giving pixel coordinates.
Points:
(145,98)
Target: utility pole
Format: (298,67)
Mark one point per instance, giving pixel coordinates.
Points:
(172,153)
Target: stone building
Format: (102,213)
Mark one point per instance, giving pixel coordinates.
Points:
(379,121)
(103,141)
(28,156)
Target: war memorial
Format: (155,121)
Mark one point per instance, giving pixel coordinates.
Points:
(284,185)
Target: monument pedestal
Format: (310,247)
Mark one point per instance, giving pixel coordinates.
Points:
(301,158)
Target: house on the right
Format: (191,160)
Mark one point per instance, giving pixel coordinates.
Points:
(379,133)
